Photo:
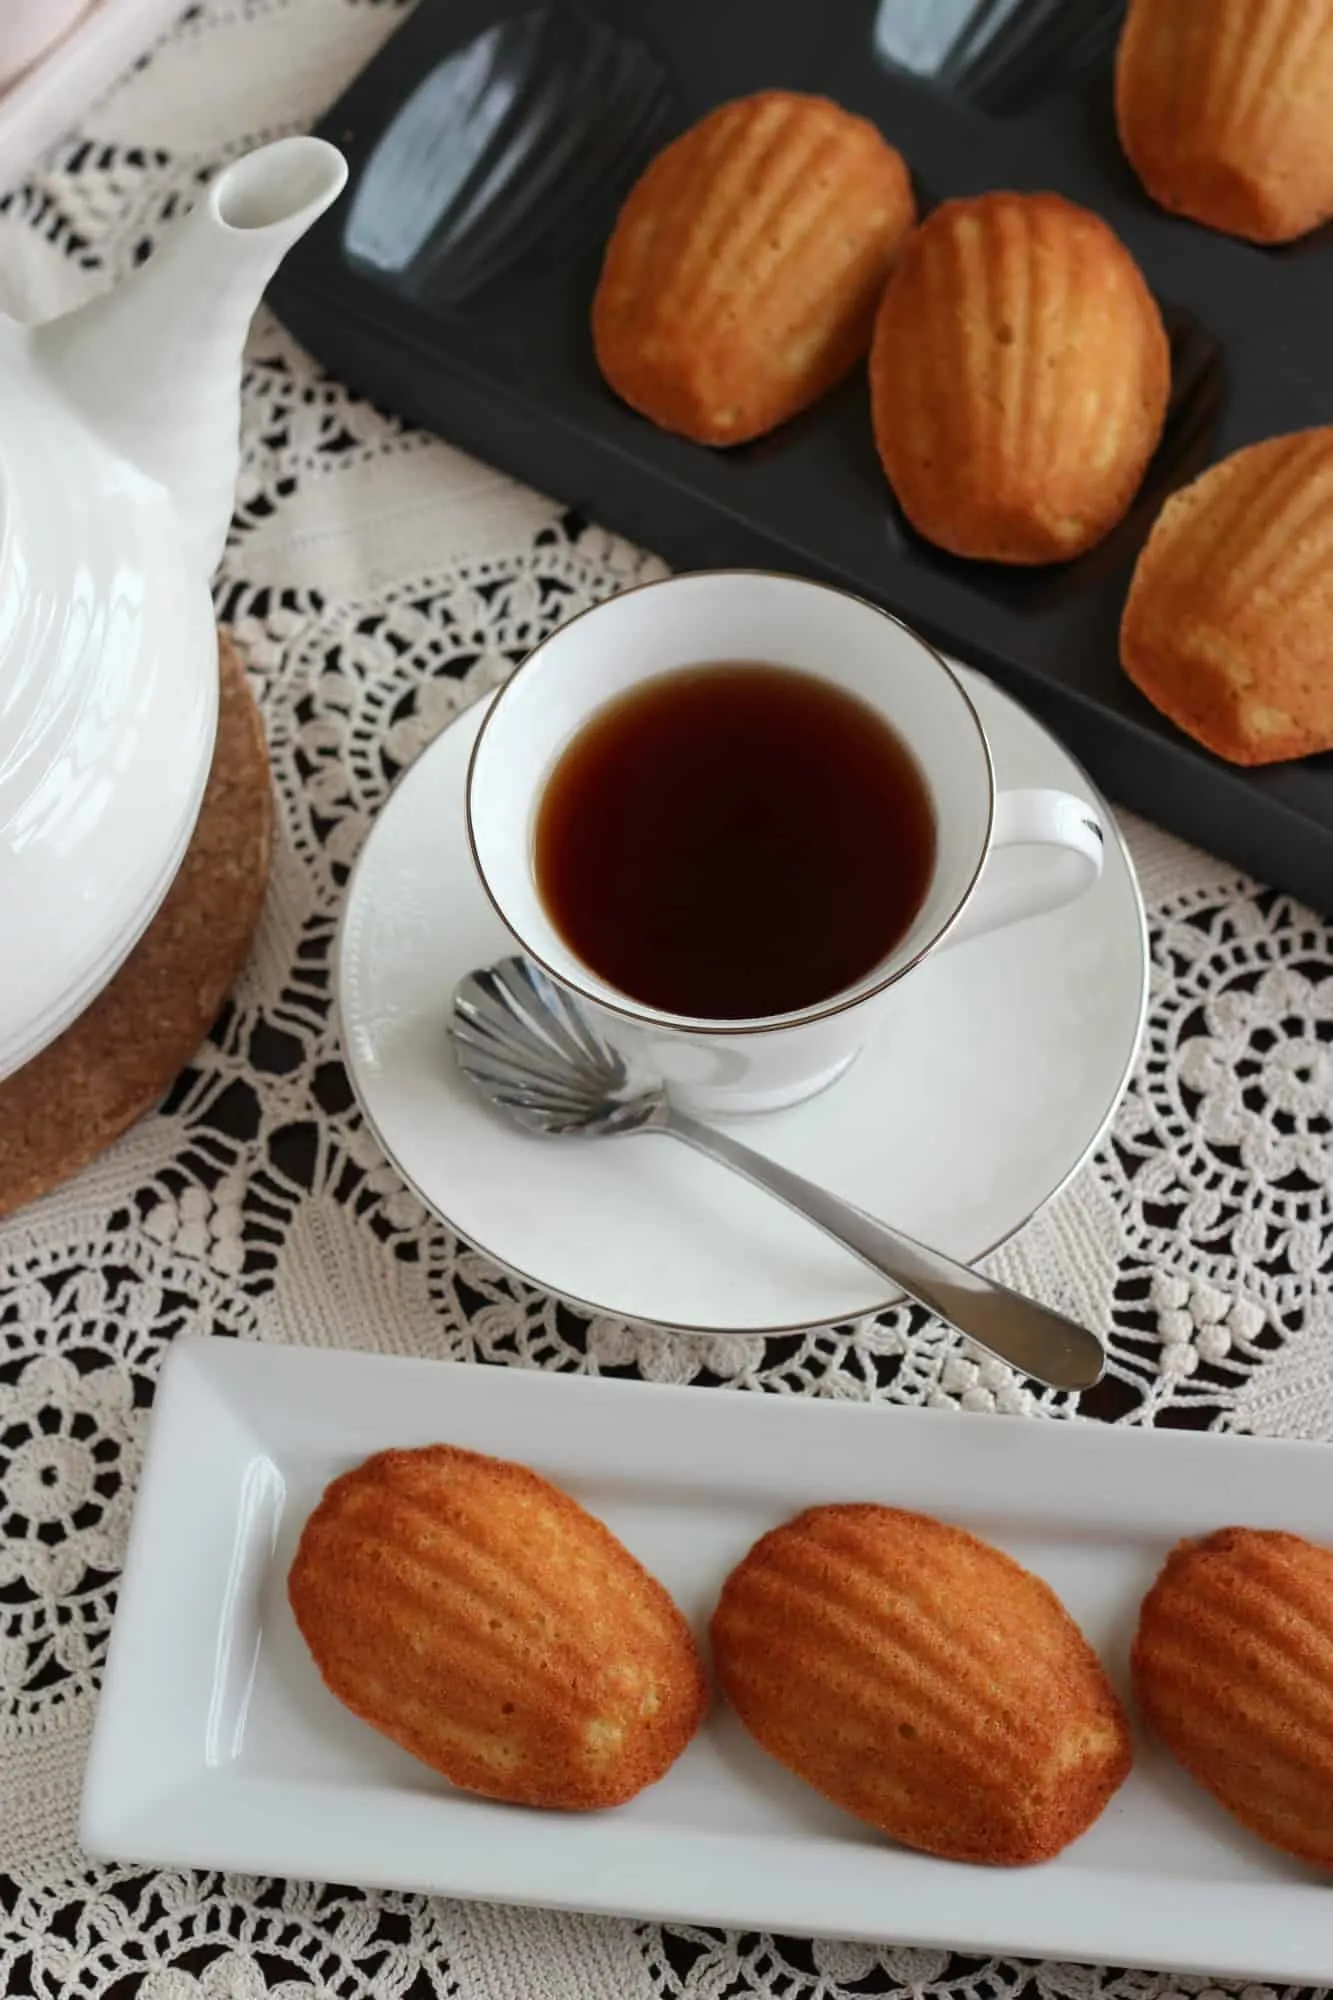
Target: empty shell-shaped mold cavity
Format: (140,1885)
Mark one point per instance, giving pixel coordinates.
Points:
(1001,55)
(524,138)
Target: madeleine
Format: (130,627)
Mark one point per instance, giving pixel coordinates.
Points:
(1228,627)
(1233,1670)
(743,273)
(1225,111)
(1019,377)
(923,1681)
(477,1615)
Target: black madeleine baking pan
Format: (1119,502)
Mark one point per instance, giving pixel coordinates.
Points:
(491,143)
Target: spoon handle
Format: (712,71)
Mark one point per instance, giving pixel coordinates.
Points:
(1032,1338)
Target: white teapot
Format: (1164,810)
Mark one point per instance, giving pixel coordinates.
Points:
(119,448)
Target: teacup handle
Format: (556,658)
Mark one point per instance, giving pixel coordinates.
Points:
(1017,885)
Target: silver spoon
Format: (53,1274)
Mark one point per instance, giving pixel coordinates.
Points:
(530,1049)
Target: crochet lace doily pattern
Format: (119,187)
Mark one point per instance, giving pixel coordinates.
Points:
(377,581)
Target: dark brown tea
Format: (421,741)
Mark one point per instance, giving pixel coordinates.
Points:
(734,840)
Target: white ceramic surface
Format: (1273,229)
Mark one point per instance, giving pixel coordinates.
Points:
(993,1074)
(29,27)
(221,1748)
(682,621)
(118,456)
(68,73)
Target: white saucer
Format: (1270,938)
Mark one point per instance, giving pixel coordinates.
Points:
(985,1090)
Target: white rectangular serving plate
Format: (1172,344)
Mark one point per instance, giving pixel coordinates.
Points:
(218,1746)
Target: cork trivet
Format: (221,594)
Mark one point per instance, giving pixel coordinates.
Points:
(120,1057)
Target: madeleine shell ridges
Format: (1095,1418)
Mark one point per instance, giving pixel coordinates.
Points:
(1225,109)
(478,1616)
(1228,626)
(1233,1671)
(1019,378)
(741,279)
(923,1681)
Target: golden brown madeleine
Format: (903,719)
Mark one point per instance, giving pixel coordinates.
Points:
(1225,109)
(743,273)
(1228,627)
(1019,378)
(477,1615)
(1233,1670)
(923,1681)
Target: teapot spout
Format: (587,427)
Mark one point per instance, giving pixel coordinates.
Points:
(154,366)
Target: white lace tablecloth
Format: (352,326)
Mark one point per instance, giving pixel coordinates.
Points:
(378,581)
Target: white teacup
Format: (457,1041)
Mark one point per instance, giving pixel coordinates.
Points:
(687,621)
